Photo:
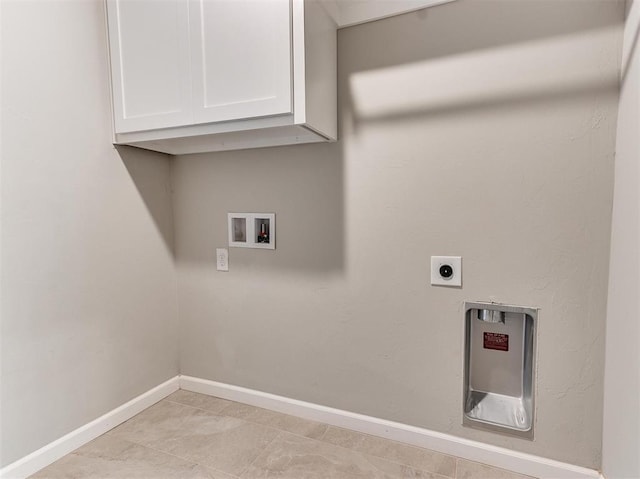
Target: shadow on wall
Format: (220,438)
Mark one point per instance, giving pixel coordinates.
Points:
(456,59)
(469,56)
(150,172)
(629,54)
(302,185)
(466,26)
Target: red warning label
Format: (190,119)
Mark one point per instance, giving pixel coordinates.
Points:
(497,341)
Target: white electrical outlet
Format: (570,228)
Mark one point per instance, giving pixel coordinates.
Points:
(222,259)
(446,271)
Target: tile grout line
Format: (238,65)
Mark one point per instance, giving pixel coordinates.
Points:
(321,438)
(190,461)
(179,457)
(259,454)
(196,407)
(109,432)
(247,420)
(455,458)
(391,461)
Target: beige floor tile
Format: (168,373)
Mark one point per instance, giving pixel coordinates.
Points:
(474,470)
(295,457)
(224,443)
(239,410)
(422,459)
(163,420)
(292,424)
(113,458)
(284,422)
(194,436)
(201,401)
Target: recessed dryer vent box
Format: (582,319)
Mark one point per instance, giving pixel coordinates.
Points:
(499,370)
(252,230)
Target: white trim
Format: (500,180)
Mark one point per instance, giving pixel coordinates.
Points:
(445,443)
(299,69)
(53,451)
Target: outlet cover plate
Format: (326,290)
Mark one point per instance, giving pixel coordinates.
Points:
(222,259)
(456,264)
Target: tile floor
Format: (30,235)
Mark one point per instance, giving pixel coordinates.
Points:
(189,436)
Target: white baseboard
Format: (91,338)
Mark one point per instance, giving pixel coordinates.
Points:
(445,443)
(53,451)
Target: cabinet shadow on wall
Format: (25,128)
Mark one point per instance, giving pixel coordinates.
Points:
(627,56)
(301,184)
(150,173)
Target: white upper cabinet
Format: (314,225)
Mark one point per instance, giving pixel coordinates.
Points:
(150,65)
(241,58)
(192,76)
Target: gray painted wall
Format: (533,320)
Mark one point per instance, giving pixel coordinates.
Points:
(621,435)
(478,128)
(88,285)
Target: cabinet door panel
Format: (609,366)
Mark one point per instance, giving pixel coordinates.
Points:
(151,78)
(241,58)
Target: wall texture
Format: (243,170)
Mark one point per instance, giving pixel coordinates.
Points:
(88,286)
(478,128)
(621,438)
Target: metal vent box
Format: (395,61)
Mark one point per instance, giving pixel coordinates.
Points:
(499,372)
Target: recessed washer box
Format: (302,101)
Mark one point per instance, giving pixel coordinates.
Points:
(252,230)
(499,368)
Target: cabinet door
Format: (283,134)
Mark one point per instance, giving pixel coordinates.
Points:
(241,58)
(150,68)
